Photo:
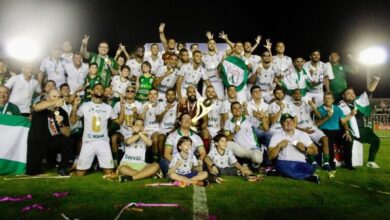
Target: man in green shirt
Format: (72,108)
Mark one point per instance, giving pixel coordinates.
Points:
(7,108)
(107,66)
(339,83)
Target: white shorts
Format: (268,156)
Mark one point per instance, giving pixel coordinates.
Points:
(317,135)
(151,130)
(89,150)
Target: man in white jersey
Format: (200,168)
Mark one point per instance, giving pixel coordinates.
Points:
(265,76)
(290,147)
(67,52)
(155,58)
(170,44)
(190,75)
(135,64)
(318,76)
(227,103)
(166,77)
(277,108)
(295,79)
(149,113)
(184,58)
(95,137)
(281,62)
(76,72)
(22,88)
(52,67)
(167,118)
(250,59)
(211,61)
(239,129)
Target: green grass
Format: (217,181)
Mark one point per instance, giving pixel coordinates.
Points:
(91,197)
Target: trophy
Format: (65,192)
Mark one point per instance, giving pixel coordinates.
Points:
(203,106)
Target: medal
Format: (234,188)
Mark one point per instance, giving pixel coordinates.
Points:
(238,123)
(57,113)
(295,143)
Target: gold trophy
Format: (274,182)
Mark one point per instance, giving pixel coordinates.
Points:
(128,120)
(203,106)
(96,124)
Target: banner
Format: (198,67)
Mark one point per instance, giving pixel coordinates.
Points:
(234,72)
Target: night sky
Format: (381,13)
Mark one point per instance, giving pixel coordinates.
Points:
(346,26)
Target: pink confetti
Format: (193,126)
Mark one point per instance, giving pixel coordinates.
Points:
(34,206)
(15,199)
(59,194)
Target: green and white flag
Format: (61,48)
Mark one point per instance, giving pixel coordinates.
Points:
(362,104)
(234,72)
(13,144)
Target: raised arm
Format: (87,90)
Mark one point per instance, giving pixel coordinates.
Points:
(163,39)
(73,115)
(83,48)
(224,37)
(257,40)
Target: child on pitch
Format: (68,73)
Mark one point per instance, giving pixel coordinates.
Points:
(133,165)
(221,161)
(145,82)
(121,82)
(183,166)
(91,80)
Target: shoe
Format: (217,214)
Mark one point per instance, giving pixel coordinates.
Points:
(351,168)
(372,165)
(332,174)
(125,178)
(326,167)
(158,175)
(63,172)
(313,178)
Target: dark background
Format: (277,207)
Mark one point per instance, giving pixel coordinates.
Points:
(346,26)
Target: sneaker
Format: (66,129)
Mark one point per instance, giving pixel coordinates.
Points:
(332,174)
(313,178)
(372,165)
(125,178)
(326,167)
(158,175)
(63,172)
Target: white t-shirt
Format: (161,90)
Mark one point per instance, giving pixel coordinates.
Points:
(118,86)
(54,69)
(214,116)
(187,164)
(245,137)
(169,81)
(75,77)
(222,161)
(22,91)
(253,60)
(95,120)
(303,115)
(282,64)
(135,152)
(135,67)
(191,76)
(150,115)
(129,114)
(321,70)
(252,106)
(169,119)
(211,65)
(174,137)
(274,108)
(295,80)
(226,108)
(156,64)
(265,78)
(290,152)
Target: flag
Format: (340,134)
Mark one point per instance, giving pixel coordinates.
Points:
(363,104)
(13,145)
(234,72)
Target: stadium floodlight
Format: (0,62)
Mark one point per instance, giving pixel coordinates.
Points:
(23,49)
(372,56)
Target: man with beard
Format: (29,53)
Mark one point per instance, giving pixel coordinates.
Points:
(296,79)
(184,58)
(166,77)
(306,124)
(191,74)
(277,108)
(188,105)
(135,64)
(250,59)
(358,124)
(48,134)
(211,61)
(170,44)
(265,76)
(281,62)
(95,136)
(318,76)
(167,118)
(107,66)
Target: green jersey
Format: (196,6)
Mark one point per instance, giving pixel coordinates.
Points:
(145,85)
(9,109)
(339,83)
(104,70)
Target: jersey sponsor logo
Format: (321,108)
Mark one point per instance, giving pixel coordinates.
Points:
(129,157)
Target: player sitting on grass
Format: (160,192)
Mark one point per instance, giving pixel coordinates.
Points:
(183,166)
(221,161)
(133,165)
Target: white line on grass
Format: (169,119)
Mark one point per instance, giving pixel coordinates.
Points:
(200,209)
(366,188)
